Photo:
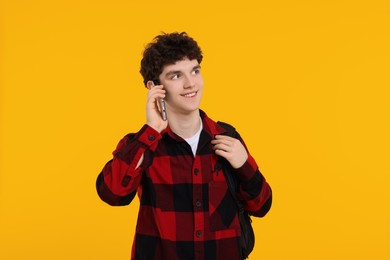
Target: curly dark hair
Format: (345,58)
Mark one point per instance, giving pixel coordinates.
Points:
(165,49)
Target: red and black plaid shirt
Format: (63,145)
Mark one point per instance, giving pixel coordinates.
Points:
(186,211)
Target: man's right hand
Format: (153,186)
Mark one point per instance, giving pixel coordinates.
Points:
(153,115)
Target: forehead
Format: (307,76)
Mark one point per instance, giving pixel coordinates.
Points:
(181,65)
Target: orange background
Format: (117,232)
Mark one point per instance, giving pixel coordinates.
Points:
(305,83)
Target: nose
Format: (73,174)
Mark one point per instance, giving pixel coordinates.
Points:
(189,82)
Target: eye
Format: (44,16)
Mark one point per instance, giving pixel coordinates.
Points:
(175,76)
(195,71)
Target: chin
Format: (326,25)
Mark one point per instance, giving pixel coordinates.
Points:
(189,110)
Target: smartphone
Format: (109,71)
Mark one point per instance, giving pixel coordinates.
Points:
(161,103)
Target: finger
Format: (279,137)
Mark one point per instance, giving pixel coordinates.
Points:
(224,137)
(222,141)
(150,85)
(155,96)
(159,95)
(223,147)
(156,92)
(158,87)
(222,153)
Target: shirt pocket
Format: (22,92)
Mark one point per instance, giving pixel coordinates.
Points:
(222,207)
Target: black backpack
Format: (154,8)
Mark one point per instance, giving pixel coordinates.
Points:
(247,239)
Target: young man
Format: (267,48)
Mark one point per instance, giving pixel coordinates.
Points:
(186,211)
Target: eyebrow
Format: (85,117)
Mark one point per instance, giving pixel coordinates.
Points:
(179,71)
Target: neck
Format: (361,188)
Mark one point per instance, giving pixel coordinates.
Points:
(184,126)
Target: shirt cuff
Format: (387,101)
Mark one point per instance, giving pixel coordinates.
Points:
(247,170)
(149,136)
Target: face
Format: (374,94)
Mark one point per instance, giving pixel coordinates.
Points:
(183,83)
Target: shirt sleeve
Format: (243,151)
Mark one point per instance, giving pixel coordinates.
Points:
(117,183)
(254,191)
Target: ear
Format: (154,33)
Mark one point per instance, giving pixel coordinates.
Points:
(149,84)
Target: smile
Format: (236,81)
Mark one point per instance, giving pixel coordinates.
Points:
(190,95)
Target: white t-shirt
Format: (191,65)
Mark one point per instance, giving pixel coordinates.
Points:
(194,140)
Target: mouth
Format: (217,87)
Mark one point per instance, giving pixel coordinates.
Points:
(190,94)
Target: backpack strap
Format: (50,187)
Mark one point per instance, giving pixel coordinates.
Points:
(247,239)
(230,130)
(231,179)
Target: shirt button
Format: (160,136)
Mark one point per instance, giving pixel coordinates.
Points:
(151,137)
(198,233)
(198,204)
(196,171)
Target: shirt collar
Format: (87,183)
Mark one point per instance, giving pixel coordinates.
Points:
(209,126)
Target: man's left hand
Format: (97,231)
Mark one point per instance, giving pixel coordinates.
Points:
(231,149)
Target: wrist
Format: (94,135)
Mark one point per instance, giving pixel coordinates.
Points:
(158,129)
(149,136)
